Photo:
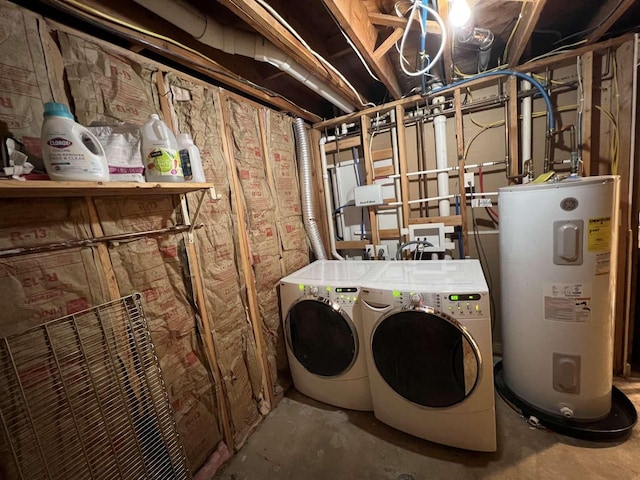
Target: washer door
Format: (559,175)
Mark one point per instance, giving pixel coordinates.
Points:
(426,356)
(321,336)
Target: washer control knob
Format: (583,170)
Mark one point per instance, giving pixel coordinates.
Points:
(416,299)
(313,290)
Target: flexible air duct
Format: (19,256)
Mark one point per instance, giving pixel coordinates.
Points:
(306,191)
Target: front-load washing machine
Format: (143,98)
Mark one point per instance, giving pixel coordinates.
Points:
(427,335)
(323,331)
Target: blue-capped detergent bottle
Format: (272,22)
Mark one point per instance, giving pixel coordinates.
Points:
(70,151)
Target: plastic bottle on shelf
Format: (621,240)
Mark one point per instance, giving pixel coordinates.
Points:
(160,152)
(70,151)
(190,155)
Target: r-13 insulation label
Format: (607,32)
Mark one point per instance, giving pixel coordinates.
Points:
(567,302)
(599,234)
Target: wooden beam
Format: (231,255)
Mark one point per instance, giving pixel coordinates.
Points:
(382,154)
(461,186)
(353,17)
(591,74)
(393,21)
(608,14)
(389,42)
(268,26)
(443,10)
(389,234)
(342,144)
(402,161)
(453,221)
(626,72)
(352,245)
(365,125)
(103,252)
(245,255)
(562,59)
(530,14)
(199,292)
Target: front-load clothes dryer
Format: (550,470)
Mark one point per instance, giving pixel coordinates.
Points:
(323,331)
(427,335)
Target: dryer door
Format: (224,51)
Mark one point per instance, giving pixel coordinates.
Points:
(426,356)
(321,336)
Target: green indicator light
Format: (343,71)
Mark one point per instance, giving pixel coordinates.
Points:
(301,287)
(328,289)
(396,293)
(454,298)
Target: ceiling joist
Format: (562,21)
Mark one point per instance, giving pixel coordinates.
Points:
(526,24)
(353,17)
(265,24)
(386,20)
(608,14)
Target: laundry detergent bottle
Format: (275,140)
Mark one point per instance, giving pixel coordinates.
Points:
(190,151)
(69,150)
(160,152)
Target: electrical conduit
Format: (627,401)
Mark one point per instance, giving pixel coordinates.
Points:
(236,42)
(306,190)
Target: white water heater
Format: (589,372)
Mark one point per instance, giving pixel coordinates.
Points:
(558,269)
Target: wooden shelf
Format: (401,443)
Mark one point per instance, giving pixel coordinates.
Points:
(49,189)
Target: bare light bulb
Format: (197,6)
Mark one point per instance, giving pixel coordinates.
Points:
(460,13)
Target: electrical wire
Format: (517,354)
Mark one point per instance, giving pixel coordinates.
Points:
(513,32)
(97,13)
(417,243)
(431,62)
(322,60)
(591,29)
(483,263)
(615,141)
(616,95)
(557,51)
(351,44)
(492,213)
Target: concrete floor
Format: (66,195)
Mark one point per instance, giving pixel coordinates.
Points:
(304,439)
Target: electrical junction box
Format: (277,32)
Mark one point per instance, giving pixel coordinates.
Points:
(368,195)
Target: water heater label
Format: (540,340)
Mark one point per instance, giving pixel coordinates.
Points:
(603,262)
(567,302)
(599,234)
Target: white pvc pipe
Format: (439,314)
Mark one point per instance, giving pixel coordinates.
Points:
(327,197)
(441,197)
(237,42)
(526,126)
(447,169)
(396,168)
(440,130)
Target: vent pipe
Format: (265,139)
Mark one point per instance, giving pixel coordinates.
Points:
(306,191)
(237,42)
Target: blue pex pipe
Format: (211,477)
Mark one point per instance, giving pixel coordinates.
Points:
(531,80)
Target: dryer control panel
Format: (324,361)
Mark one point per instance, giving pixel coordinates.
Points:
(343,296)
(462,305)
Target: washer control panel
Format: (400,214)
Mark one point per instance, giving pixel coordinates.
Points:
(462,305)
(343,296)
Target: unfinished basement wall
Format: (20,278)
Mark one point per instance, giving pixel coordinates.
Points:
(486,119)
(218,394)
